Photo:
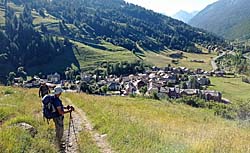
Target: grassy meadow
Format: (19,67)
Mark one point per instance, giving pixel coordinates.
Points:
(131,125)
(163,58)
(231,88)
(90,57)
(23,105)
(144,125)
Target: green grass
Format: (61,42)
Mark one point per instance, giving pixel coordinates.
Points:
(131,125)
(23,105)
(46,20)
(239,30)
(163,58)
(2,19)
(15,108)
(143,125)
(232,88)
(90,57)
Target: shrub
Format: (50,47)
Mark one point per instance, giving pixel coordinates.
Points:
(132,95)
(243,111)
(227,111)
(192,101)
(154,95)
(8,92)
(143,90)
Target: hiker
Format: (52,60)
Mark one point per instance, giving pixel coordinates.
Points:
(59,116)
(43,89)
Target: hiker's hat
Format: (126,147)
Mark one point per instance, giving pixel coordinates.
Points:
(42,82)
(58,90)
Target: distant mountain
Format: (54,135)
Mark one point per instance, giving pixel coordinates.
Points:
(227,18)
(38,34)
(184,16)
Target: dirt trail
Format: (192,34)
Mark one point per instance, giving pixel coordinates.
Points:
(81,123)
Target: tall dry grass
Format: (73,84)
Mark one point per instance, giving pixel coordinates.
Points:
(143,125)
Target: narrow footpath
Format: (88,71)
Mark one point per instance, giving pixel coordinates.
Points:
(82,123)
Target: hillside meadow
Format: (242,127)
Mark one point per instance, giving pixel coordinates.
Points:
(144,125)
(23,105)
(163,58)
(131,125)
(231,88)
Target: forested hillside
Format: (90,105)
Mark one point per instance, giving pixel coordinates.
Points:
(127,25)
(227,18)
(23,45)
(47,36)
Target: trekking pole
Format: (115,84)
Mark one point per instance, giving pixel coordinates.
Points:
(73,126)
(69,131)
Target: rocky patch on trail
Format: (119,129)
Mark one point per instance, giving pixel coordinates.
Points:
(72,144)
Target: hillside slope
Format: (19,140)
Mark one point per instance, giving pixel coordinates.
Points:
(227,18)
(48,36)
(127,124)
(128,25)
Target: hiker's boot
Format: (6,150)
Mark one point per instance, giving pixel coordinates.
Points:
(63,145)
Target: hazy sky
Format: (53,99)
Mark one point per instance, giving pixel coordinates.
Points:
(170,7)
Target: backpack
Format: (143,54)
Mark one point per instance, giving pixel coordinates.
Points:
(49,110)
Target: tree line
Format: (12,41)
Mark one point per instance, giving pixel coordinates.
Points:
(22,45)
(124,24)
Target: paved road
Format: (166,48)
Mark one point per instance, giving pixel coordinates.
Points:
(214,65)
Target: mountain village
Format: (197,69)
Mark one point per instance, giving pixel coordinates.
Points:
(167,82)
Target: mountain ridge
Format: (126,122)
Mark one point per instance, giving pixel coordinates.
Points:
(112,31)
(227,18)
(184,15)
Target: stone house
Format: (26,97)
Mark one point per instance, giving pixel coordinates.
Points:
(209,95)
(219,73)
(125,79)
(101,83)
(34,82)
(152,76)
(190,92)
(114,86)
(154,68)
(129,88)
(54,78)
(154,87)
(171,79)
(18,80)
(199,71)
(203,81)
(174,92)
(163,93)
(139,84)
(171,92)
